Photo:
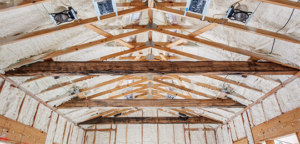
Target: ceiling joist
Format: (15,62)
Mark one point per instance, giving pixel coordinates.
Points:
(211,103)
(142,68)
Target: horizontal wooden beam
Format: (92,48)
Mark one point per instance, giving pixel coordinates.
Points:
(182,27)
(141,68)
(150,120)
(229,24)
(285,3)
(282,125)
(211,103)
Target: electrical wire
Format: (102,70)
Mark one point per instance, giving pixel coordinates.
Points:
(282,28)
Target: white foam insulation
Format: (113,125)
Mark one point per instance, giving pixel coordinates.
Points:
(238,123)
(60,129)
(42,118)
(248,129)
(34,18)
(28,111)
(219,136)
(258,115)
(52,128)
(67,131)
(11,99)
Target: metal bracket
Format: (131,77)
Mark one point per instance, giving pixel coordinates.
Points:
(150,77)
(150,84)
(151,26)
(150,57)
(150,43)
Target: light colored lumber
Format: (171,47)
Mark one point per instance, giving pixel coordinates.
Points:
(172,93)
(15,131)
(182,53)
(282,125)
(115,89)
(117,112)
(76,25)
(25,3)
(232,25)
(108,35)
(127,93)
(73,49)
(284,3)
(241,141)
(194,34)
(184,89)
(112,103)
(224,47)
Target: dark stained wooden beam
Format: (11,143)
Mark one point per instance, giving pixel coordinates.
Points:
(142,68)
(84,103)
(150,120)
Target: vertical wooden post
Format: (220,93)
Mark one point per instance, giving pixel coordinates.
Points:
(95,134)
(184,133)
(298,136)
(157,130)
(21,107)
(173,134)
(205,134)
(189,133)
(263,111)
(116,133)
(142,127)
(110,134)
(270,142)
(278,102)
(126,131)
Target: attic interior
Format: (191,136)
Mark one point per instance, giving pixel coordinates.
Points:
(149,72)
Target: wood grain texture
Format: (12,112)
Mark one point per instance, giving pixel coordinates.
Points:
(282,125)
(142,68)
(285,3)
(149,120)
(17,132)
(212,103)
(229,24)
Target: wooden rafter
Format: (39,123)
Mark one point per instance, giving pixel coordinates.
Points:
(149,120)
(223,47)
(76,25)
(108,35)
(163,67)
(143,58)
(229,24)
(93,87)
(9,6)
(117,112)
(74,49)
(194,34)
(173,93)
(184,89)
(129,92)
(115,89)
(130,112)
(167,4)
(285,3)
(209,103)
